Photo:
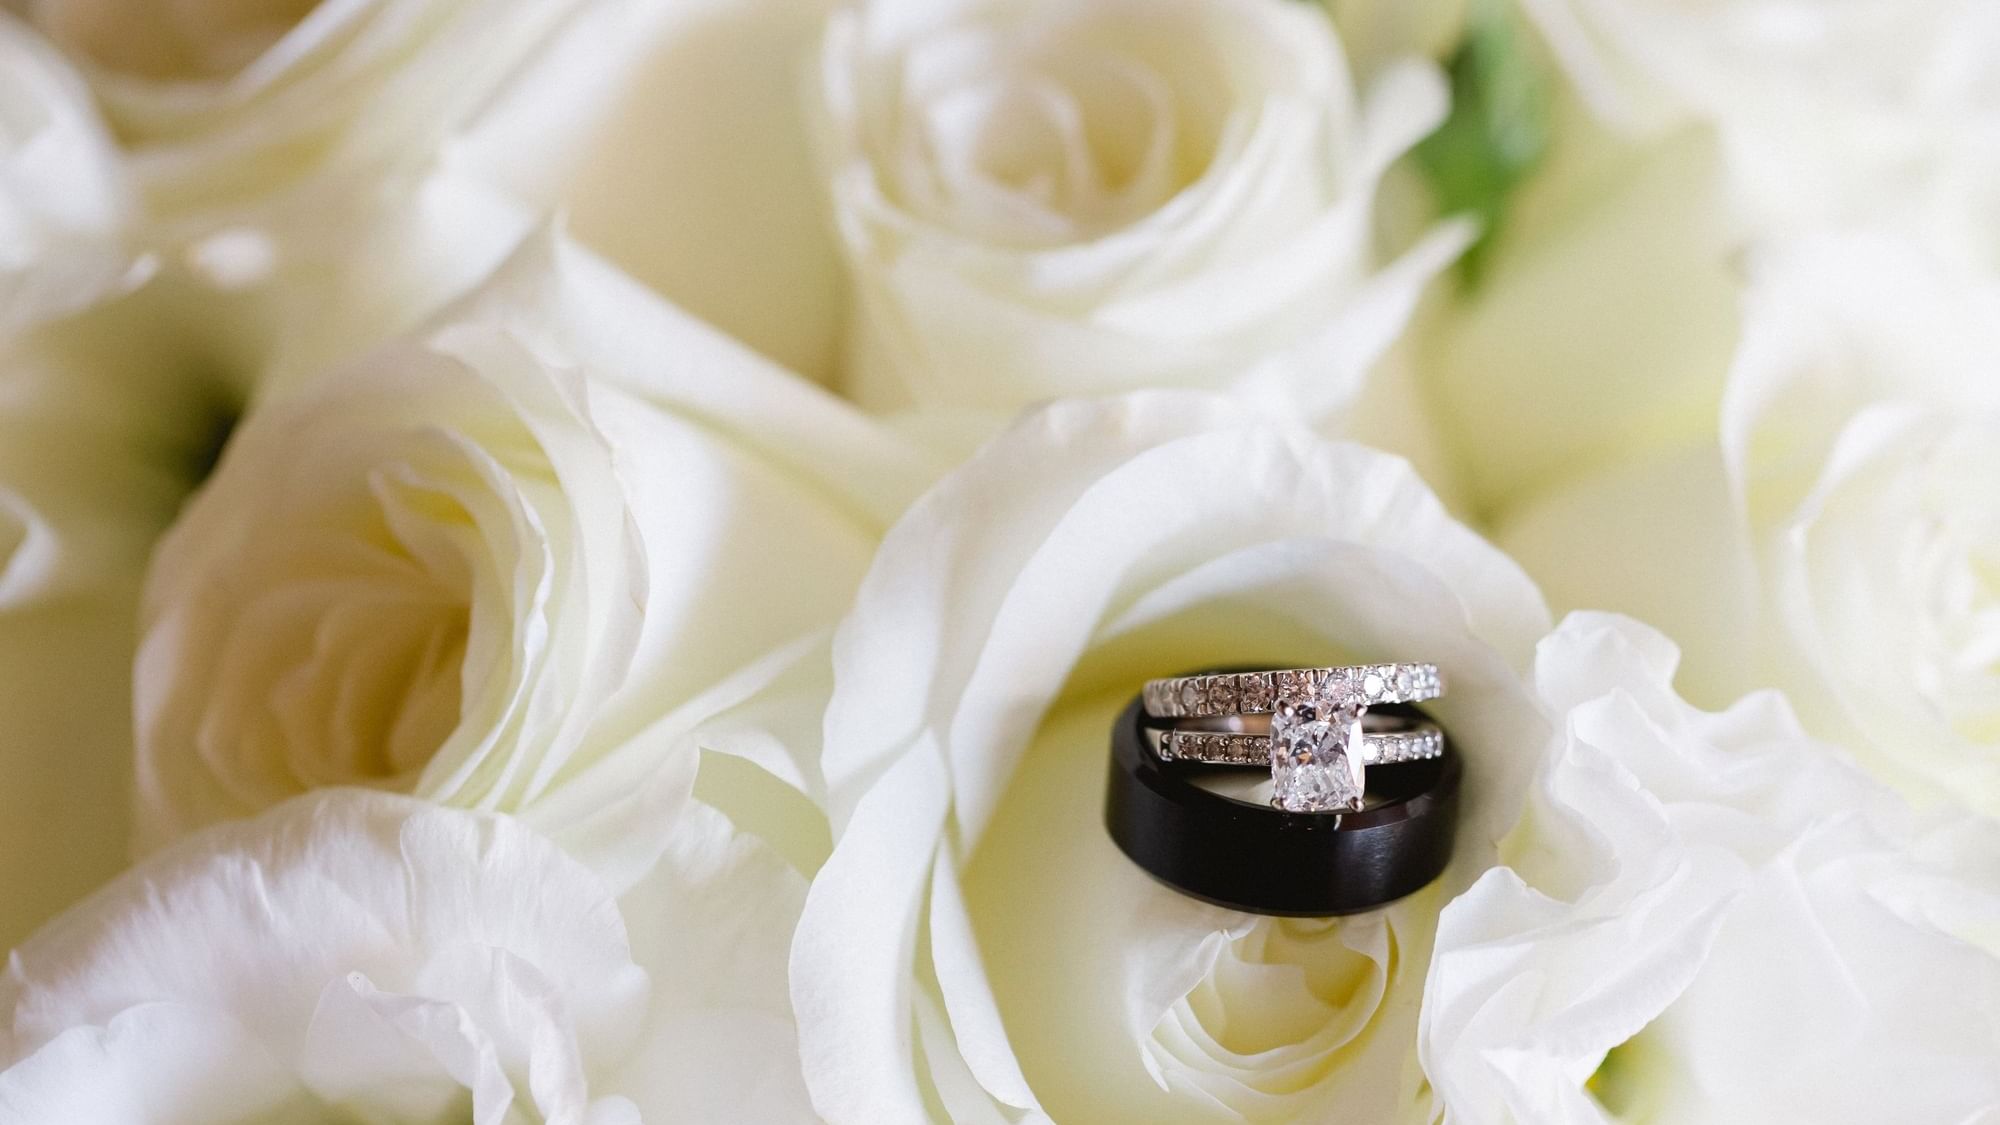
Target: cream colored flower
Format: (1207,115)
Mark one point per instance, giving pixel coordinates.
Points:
(283,155)
(976,947)
(1836,541)
(1044,199)
(505,563)
(1862,433)
(1711,917)
(286,112)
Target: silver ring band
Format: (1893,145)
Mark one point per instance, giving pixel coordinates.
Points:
(1224,749)
(1248,693)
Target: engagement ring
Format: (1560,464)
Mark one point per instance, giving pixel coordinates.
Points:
(1310,725)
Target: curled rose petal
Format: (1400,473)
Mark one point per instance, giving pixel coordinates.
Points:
(1709,916)
(375,956)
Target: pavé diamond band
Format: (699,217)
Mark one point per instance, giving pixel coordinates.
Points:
(1318,746)
(1378,748)
(1248,693)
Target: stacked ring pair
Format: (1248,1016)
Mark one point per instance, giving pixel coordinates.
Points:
(1364,787)
(1315,727)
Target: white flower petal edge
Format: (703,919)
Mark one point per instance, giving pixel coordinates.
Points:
(510,562)
(1711,917)
(975,942)
(361,949)
(65,201)
(1046,199)
(712,925)
(375,955)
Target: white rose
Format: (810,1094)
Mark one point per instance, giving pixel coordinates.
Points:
(64,200)
(502,563)
(1710,917)
(283,156)
(244,112)
(1045,199)
(1862,432)
(1885,112)
(976,947)
(1832,541)
(375,957)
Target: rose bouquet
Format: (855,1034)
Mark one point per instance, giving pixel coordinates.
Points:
(575,560)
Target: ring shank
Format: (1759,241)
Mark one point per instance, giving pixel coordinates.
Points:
(1377,720)
(1251,692)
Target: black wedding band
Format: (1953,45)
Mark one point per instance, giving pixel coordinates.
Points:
(1266,861)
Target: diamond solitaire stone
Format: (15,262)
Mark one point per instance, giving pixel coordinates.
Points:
(1316,750)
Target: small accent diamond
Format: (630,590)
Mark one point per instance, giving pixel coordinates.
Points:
(1221,695)
(1253,692)
(1342,691)
(1293,686)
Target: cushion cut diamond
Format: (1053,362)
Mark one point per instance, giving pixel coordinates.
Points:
(1316,750)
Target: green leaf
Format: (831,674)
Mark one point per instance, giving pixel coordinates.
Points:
(1496,133)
